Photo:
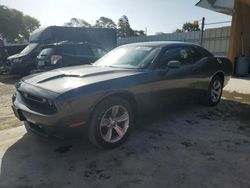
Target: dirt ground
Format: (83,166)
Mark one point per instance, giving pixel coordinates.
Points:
(188,146)
(7,89)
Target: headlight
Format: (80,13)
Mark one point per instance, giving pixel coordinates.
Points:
(17,85)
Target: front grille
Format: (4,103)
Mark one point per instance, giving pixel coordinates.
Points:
(38,104)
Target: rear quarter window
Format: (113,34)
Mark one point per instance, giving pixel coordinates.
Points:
(98,52)
(83,50)
(195,54)
(204,52)
(66,49)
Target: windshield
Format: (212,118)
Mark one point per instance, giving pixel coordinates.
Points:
(36,35)
(29,48)
(132,57)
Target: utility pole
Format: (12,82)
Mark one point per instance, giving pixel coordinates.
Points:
(202,30)
(146,30)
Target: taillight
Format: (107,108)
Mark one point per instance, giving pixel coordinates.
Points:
(54,59)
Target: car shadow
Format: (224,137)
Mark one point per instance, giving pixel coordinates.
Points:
(156,145)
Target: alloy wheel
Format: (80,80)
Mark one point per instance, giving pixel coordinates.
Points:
(114,123)
(216,91)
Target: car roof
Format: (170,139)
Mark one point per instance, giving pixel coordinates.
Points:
(66,43)
(161,44)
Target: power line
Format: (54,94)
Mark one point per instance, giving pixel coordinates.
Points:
(168,27)
(213,23)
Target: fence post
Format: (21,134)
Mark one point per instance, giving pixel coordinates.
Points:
(202,30)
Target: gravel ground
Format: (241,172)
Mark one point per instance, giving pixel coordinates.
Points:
(7,88)
(189,146)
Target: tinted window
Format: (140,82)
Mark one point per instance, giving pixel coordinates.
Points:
(195,54)
(178,54)
(186,55)
(169,55)
(98,52)
(66,49)
(204,52)
(83,50)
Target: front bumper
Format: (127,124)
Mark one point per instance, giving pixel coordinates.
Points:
(57,125)
(52,132)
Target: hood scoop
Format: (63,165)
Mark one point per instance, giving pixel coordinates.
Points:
(57,77)
(75,76)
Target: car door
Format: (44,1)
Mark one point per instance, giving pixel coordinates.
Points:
(177,83)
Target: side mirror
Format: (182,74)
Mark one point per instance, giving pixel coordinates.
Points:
(174,64)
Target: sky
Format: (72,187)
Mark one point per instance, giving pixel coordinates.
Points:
(155,15)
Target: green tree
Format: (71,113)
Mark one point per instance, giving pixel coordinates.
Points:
(190,27)
(104,22)
(124,29)
(30,24)
(76,22)
(178,31)
(15,25)
(187,27)
(139,33)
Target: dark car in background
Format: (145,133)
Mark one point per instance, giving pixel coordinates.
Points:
(105,97)
(65,54)
(24,62)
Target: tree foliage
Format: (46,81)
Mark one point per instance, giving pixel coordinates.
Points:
(76,22)
(187,27)
(139,33)
(190,27)
(178,31)
(15,26)
(104,22)
(124,29)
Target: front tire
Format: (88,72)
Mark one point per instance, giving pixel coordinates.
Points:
(214,91)
(111,123)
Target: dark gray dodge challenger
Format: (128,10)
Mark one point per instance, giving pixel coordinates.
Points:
(104,97)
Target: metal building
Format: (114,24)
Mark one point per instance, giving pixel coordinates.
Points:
(239,43)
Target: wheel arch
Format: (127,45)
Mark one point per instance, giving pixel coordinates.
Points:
(128,96)
(221,74)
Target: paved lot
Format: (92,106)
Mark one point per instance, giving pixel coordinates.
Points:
(190,146)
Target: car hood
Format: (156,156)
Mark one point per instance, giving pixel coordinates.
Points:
(65,79)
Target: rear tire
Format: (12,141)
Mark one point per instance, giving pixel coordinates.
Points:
(214,91)
(111,123)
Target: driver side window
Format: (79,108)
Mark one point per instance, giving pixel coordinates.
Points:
(169,55)
(177,54)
